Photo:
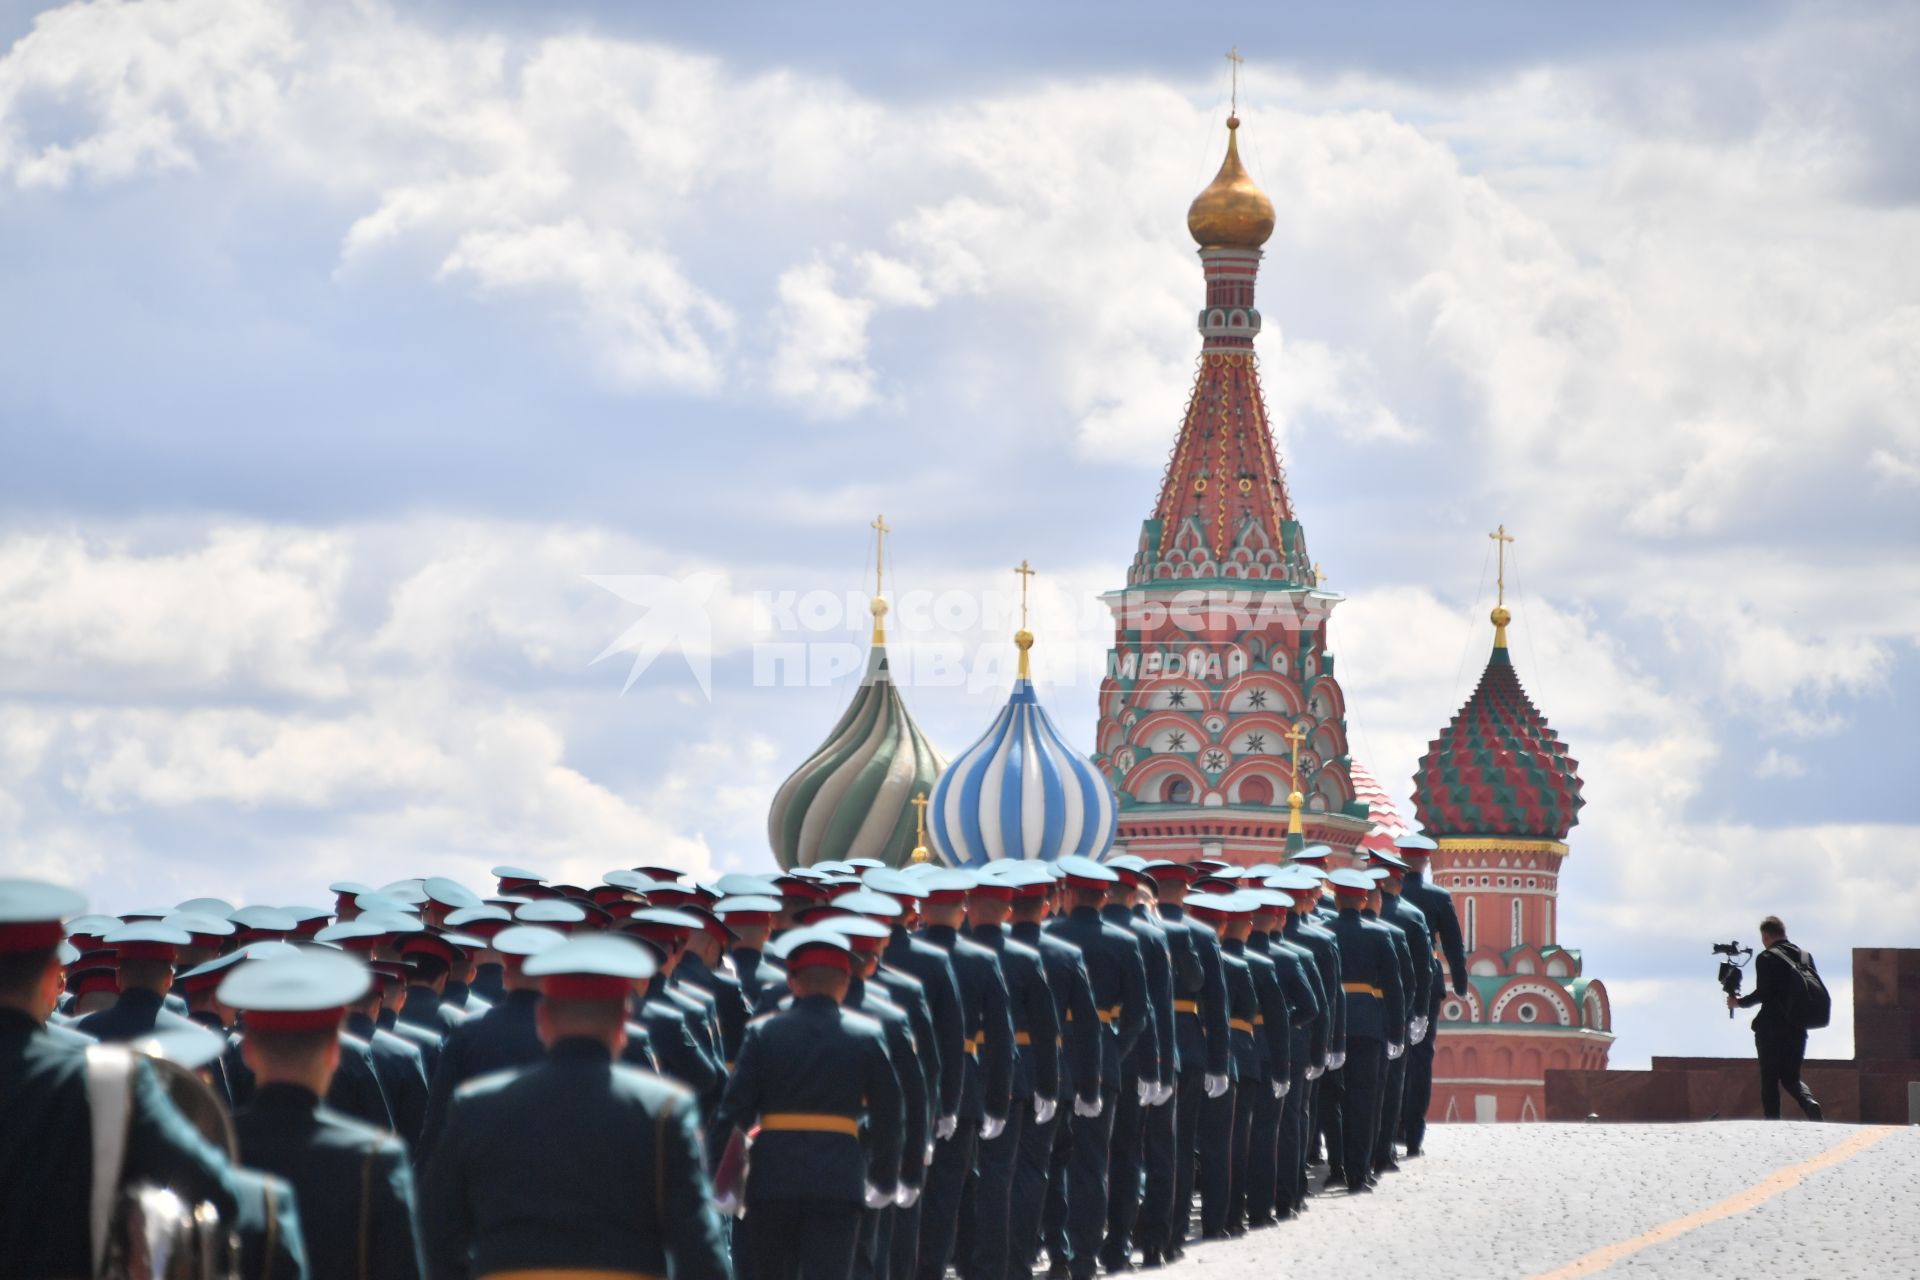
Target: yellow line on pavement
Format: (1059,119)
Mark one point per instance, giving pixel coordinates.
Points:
(1759,1193)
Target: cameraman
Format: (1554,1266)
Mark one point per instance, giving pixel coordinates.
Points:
(1778,1036)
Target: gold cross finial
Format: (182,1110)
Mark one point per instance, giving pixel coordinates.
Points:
(881,529)
(1319,575)
(1296,735)
(919,804)
(878,608)
(1023,638)
(1501,538)
(1234,60)
(1026,574)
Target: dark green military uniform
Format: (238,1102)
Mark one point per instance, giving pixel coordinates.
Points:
(353,1182)
(576,1162)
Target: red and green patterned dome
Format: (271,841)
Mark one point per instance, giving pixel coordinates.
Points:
(1497,769)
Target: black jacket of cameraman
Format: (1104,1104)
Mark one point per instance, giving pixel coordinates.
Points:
(1774,986)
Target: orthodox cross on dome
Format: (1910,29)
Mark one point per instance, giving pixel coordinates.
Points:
(1296,735)
(878,608)
(1319,575)
(1500,615)
(1023,638)
(1234,60)
(920,853)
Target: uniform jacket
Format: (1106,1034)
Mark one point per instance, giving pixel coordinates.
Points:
(916,1118)
(1200,1001)
(1436,904)
(818,1062)
(402,1073)
(1325,950)
(727,994)
(1036,1023)
(1402,955)
(428,1009)
(1300,983)
(1243,1006)
(754,969)
(1118,978)
(46,1163)
(352,1182)
(929,964)
(575,1162)
(137,1012)
(1074,1010)
(1370,978)
(910,998)
(503,1037)
(677,1048)
(1153,1056)
(424,1039)
(987,1079)
(1396,910)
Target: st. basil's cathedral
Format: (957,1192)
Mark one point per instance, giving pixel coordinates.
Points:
(1222,730)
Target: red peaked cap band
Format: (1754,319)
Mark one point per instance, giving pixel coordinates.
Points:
(271,1020)
(585,986)
(30,935)
(814,953)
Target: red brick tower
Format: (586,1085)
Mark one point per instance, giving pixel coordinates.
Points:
(1220,647)
(1499,793)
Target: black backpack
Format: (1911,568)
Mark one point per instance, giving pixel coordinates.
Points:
(1811,1007)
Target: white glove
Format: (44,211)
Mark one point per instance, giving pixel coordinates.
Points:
(1419,1029)
(907,1195)
(1280,1088)
(1215,1083)
(1164,1096)
(878,1199)
(929,1159)
(1088,1108)
(1145,1090)
(945,1127)
(1043,1109)
(1317,1070)
(1335,1061)
(992,1127)
(1394,1051)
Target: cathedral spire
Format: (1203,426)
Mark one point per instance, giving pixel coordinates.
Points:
(1224,511)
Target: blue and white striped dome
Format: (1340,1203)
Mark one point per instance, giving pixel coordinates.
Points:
(1021,792)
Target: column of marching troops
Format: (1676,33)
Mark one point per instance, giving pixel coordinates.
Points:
(844,1070)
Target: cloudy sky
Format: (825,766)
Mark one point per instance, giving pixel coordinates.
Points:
(369,370)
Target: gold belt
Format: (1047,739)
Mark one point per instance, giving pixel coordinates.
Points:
(1186,1006)
(809,1122)
(1240,1024)
(1105,1015)
(1022,1037)
(1363,989)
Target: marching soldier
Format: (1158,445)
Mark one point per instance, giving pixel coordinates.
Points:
(352,1181)
(1119,981)
(1036,1080)
(813,1079)
(144,954)
(1307,1045)
(1147,1073)
(576,1163)
(1436,904)
(1225,1120)
(46,1195)
(1400,914)
(1376,1019)
(504,1037)
(750,917)
(987,1080)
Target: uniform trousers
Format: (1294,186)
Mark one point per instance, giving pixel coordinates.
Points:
(1365,1078)
(1086,1187)
(1419,1095)
(1263,1155)
(984,1243)
(1216,1161)
(940,1202)
(1053,1223)
(803,1239)
(1391,1094)
(1291,1193)
(1126,1174)
(903,1241)
(1032,1176)
(1331,1106)
(871,1260)
(1172,1134)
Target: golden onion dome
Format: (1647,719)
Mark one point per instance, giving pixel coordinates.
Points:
(1233,212)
